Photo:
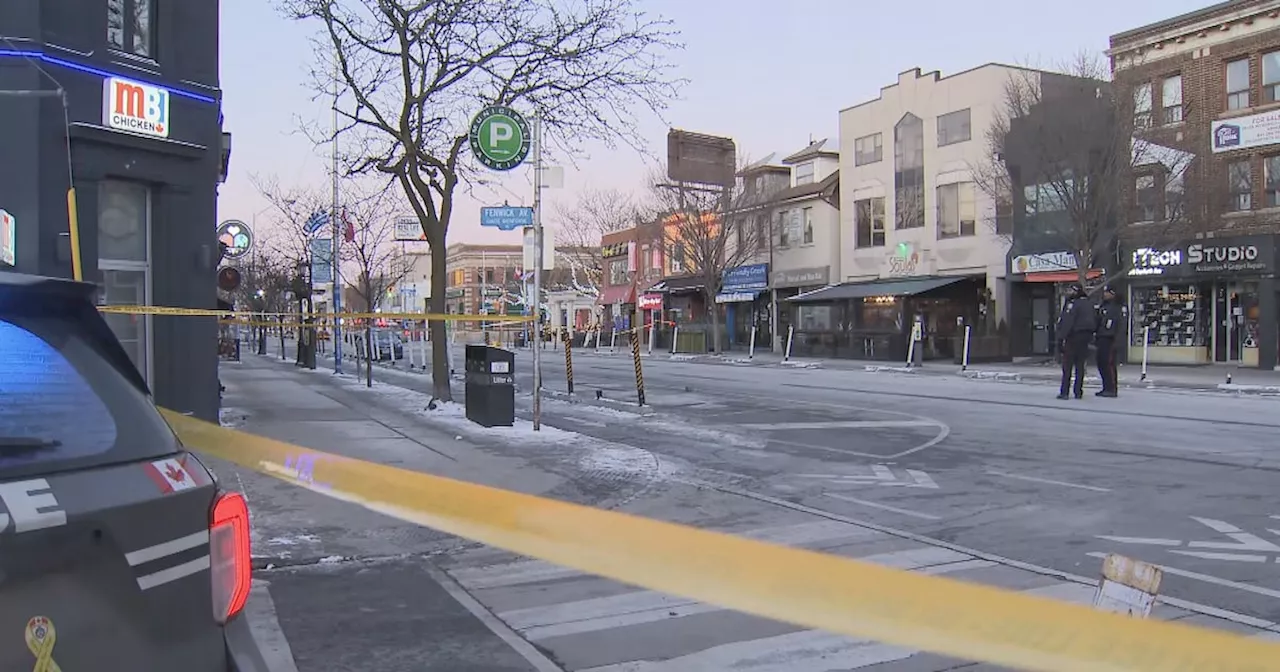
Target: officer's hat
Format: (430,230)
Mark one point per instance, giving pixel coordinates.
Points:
(1108,289)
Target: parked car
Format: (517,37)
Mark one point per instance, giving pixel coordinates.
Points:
(116,544)
(386,342)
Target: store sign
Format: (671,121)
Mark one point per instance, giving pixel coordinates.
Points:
(903,261)
(1239,255)
(736,297)
(1150,261)
(802,277)
(1044,262)
(135,107)
(8,239)
(750,278)
(649,302)
(1255,130)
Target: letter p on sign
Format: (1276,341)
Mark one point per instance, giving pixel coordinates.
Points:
(500,132)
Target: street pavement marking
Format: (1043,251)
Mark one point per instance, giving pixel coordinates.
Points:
(1260,590)
(536,571)
(886,507)
(839,424)
(804,651)
(264,626)
(1152,541)
(1035,479)
(647,606)
(1244,546)
(880,475)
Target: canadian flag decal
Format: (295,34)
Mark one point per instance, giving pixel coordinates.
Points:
(171,475)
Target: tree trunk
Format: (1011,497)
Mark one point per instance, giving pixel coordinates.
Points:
(371,353)
(439,346)
(281,337)
(713,310)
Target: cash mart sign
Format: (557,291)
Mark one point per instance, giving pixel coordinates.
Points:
(135,107)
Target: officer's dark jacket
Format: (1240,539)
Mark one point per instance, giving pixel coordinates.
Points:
(1078,316)
(1112,318)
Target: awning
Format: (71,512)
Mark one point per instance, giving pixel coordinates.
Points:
(862,290)
(621,294)
(737,297)
(678,285)
(1060,276)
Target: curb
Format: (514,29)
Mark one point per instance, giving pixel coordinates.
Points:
(625,407)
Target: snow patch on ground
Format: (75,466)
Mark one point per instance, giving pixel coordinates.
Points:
(232,417)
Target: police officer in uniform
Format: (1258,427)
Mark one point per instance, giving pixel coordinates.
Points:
(1076,325)
(1112,317)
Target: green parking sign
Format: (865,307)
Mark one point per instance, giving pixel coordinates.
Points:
(500,138)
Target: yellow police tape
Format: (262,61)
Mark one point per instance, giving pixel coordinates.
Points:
(206,312)
(811,589)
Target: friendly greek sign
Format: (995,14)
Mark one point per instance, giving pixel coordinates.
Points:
(500,138)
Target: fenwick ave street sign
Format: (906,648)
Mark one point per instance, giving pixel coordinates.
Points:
(506,217)
(500,138)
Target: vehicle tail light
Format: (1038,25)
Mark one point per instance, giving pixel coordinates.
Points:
(230,566)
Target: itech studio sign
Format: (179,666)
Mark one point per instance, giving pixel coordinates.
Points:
(135,107)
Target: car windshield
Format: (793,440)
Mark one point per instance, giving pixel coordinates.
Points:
(66,405)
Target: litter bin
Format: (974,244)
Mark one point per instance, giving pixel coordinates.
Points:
(491,390)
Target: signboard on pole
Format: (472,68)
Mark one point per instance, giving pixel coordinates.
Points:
(530,250)
(321,261)
(506,218)
(318,220)
(237,236)
(409,229)
(500,138)
(701,159)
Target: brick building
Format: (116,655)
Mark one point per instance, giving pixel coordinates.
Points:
(1201,242)
(483,279)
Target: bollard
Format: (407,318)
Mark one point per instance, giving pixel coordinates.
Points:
(751,348)
(964,362)
(653,333)
(791,332)
(1146,338)
(675,338)
(613,341)
(568,360)
(635,359)
(597,340)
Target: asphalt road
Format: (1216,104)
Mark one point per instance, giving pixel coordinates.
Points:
(993,482)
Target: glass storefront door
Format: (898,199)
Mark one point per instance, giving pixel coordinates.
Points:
(1235,318)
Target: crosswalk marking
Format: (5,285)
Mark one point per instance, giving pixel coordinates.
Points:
(805,651)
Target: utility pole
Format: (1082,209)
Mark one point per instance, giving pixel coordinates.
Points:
(335,262)
(537,271)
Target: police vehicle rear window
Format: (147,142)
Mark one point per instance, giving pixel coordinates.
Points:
(63,405)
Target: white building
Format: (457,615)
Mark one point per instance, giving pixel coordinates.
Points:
(410,294)
(918,234)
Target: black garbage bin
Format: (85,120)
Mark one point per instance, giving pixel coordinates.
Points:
(491,390)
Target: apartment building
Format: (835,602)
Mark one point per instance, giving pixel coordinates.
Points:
(411,291)
(1205,83)
(484,280)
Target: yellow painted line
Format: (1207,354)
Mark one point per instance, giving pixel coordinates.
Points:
(949,617)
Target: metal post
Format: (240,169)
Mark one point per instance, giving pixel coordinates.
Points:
(568,359)
(337,234)
(964,362)
(1146,338)
(675,338)
(635,360)
(653,332)
(791,332)
(613,340)
(911,347)
(537,268)
(751,349)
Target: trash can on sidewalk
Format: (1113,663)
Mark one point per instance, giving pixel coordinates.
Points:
(490,388)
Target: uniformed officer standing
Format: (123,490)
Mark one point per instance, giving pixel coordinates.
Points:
(1076,325)
(1112,318)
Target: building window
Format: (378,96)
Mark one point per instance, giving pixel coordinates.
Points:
(908,179)
(124,260)
(618,272)
(1146,198)
(1271,168)
(784,237)
(760,222)
(1238,84)
(1239,186)
(957,212)
(1045,198)
(1174,197)
(868,149)
(677,257)
(869,222)
(489,276)
(807,233)
(954,127)
(1171,99)
(804,173)
(1142,106)
(130,26)
(1271,77)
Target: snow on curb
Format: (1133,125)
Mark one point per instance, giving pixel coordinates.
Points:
(890,369)
(684,358)
(801,365)
(975,374)
(1249,389)
(232,417)
(603,402)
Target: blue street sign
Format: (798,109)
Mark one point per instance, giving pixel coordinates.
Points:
(507,218)
(318,220)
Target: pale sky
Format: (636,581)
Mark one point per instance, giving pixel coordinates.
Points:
(768,74)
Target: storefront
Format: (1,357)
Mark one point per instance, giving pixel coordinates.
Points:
(787,284)
(742,293)
(872,320)
(1038,289)
(1212,301)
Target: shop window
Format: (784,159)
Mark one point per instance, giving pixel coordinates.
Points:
(880,313)
(1271,77)
(956,210)
(1146,198)
(868,149)
(1169,316)
(814,318)
(869,222)
(1142,106)
(807,233)
(124,260)
(1239,186)
(1171,99)
(1271,171)
(1238,84)
(130,27)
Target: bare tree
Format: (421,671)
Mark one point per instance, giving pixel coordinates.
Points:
(708,230)
(264,287)
(595,213)
(371,250)
(1075,153)
(415,71)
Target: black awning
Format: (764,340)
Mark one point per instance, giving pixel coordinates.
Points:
(679,285)
(862,290)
